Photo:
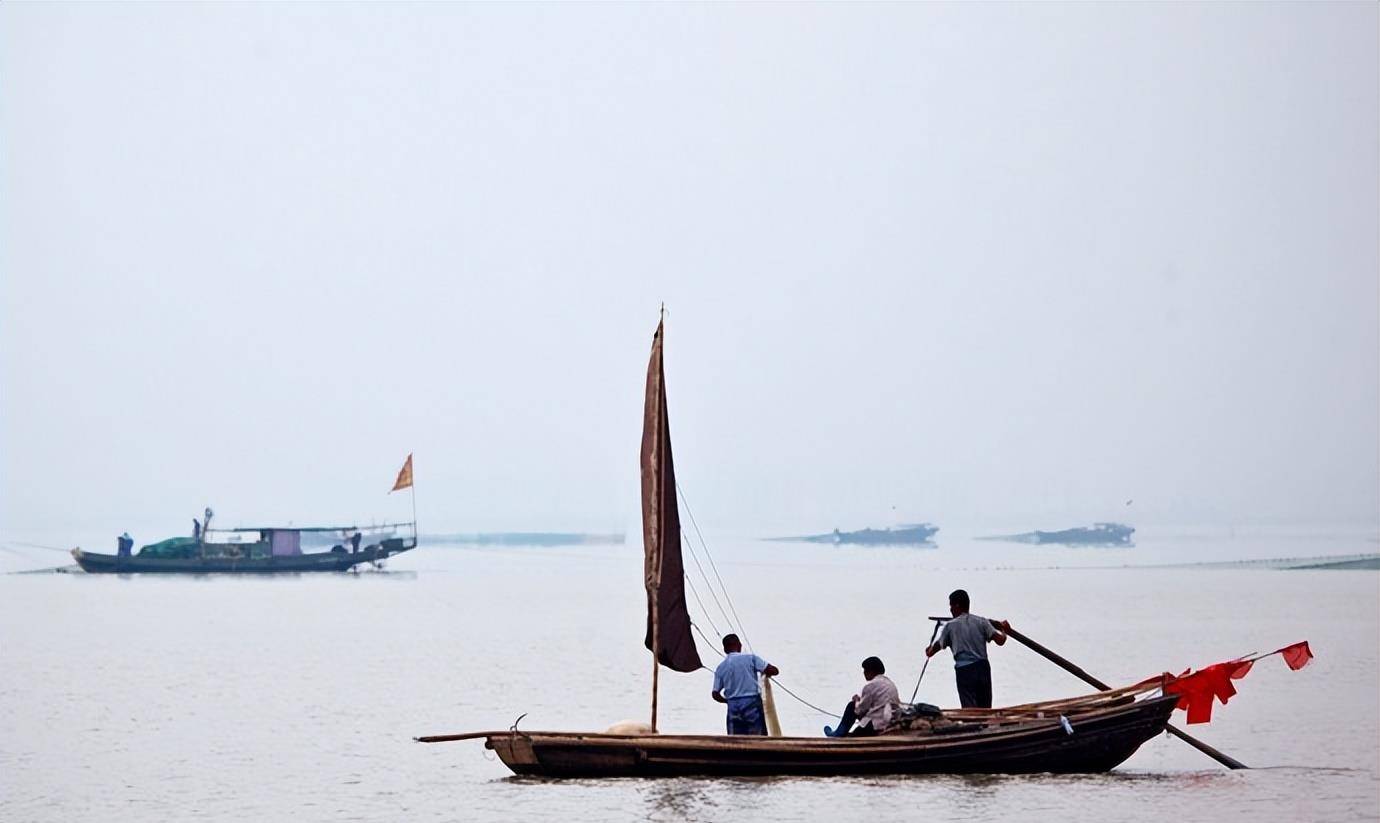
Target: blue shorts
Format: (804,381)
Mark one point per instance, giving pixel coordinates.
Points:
(745,716)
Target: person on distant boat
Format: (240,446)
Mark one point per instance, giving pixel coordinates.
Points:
(354,543)
(126,545)
(735,684)
(873,707)
(967,635)
(196,529)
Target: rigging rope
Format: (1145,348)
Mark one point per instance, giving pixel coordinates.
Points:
(693,556)
(40,546)
(776,680)
(736,619)
(696,593)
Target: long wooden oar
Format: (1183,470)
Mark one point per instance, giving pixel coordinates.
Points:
(1225,760)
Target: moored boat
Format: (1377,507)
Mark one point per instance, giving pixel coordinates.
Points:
(261,550)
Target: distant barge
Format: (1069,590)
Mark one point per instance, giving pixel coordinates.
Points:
(901,535)
(266,550)
(1099,534)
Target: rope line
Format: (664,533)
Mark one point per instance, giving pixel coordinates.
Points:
(775,680)
(696,594)
(707,641)
(40,546)
(801,699)
(694,556)
(736,619)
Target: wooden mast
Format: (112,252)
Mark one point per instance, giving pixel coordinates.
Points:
(668,620)
(654,607)
(656,664)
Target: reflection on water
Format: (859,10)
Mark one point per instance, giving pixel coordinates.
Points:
(232,698)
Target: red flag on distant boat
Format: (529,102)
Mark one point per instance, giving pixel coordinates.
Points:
(404,477)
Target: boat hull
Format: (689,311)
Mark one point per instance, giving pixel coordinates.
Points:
(288,564)
(1100,741)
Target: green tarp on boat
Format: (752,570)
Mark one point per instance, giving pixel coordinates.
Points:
(172,547)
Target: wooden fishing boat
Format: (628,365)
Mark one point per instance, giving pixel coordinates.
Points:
(264,550)
(1093,734)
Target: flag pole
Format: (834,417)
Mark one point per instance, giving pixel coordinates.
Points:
(414,507)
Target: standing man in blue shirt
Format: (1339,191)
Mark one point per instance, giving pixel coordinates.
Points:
(735,683)
(967,634)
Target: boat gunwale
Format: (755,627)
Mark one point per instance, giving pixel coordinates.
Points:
(898,740)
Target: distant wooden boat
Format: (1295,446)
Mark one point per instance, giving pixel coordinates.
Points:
(266,550)
(1098,534)
(908,535)
(1084,734)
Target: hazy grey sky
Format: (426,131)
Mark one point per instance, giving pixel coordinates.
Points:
(982,263)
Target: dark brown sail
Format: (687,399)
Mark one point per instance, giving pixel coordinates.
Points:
(668,620)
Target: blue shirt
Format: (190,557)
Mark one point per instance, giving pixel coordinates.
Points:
(736,675)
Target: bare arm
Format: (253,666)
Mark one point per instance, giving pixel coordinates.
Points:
(771,671)
(1000,637)
(718,697)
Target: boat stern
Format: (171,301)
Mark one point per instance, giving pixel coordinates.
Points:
(516,752)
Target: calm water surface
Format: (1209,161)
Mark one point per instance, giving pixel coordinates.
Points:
(147,698)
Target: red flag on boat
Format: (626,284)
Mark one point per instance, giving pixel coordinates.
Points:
(1197,690)
(1297,655)
(404,480)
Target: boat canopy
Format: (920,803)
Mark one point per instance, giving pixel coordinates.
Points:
(370,528)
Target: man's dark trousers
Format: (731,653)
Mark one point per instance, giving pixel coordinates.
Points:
(974,685)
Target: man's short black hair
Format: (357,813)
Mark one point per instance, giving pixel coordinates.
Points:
(731,640)
(959,598)
(874,664)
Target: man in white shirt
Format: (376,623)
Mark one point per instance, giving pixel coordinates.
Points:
(873,708)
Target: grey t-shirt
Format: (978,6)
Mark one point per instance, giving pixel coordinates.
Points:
(967,635)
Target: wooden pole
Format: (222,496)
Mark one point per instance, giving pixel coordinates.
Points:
(937,623)
(656,644)
(1076,671)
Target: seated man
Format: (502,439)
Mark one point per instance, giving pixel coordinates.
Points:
(735,683)
(873,707)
